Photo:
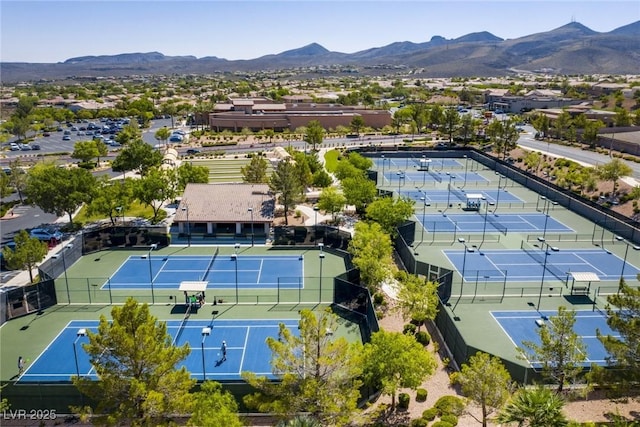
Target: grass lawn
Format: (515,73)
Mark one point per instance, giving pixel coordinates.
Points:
(136,210)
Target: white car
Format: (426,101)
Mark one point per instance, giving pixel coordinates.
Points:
(14,147)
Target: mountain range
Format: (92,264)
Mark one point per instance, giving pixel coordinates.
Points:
(570,49)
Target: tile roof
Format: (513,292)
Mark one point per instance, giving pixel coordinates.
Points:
(226,203)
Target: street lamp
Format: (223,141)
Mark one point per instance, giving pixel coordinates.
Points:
(81,333)
(252,238)
(466,162)
(544,268)
(448,194)
(64,266)
(498,194)
(152,247)
(401,177)
(321,256)
(464,257)
(186,209)
(484,227)
(315,223)
(626,252)
(424,210)
(205,333)
(382,180)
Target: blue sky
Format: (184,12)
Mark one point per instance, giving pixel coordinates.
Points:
(53,31)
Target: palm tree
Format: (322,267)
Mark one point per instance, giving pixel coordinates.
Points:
(535,407)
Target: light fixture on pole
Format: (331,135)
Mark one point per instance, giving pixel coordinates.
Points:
(424,210)
(498,194)
(152,247)
(448,194)
(401,177)
(545,246)
(466,162)
(464,257)
(81,333)
(64,266)
(185,209)
(382,180)
(252,235)
(206,331)
(626,252)
(315,222)
(321,256)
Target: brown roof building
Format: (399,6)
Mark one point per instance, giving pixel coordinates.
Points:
(225,210)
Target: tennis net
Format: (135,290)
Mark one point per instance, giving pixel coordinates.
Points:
(181,327)
(539,256)
(213,259)
(435,175)
(459,193)
(501,228)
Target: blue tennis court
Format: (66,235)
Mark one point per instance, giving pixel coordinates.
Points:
(246,349)
(521,266)
(410,162)
(220,272)
(419,177)
(520,326)
(458,195)
(475,223)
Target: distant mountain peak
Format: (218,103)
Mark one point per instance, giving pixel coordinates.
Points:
(482,36)
(134,58)
(308,50)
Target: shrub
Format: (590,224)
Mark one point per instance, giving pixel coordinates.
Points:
(403,401)
(423,337)
(441,424)
(419,422)
(409,329)
(421,395)
(449,405)
(450,418)
(378,298)
(430,414)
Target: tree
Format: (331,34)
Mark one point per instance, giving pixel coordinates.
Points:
(18,178)
(393,360)
(467,128)
(536,407)
(371,250)
(590,133)
(314,134)
(561,351)
(85,151)
(57,190)
(356,124)
(541,123)
(318,373)
(256,171)
(485,381)
(135,360)
(187,173)
(532,161)
(163,134)
(359,161)
(28,252)
(561,124)
(299,421)
(284,182)
(623,118)
(359,191)
(110,196)
(623,316)
(390,213)
(156,187)
(331,200)
(130,133)
(137,155)
(451,122)
(213,407)
(613,171)
(417,298)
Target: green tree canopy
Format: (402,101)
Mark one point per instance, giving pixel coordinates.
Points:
(138,156)
(486,382)
(85,150)
(188,173)
(314,134)
(135,361)
(613,171)
(155,188)
(536,407)
(359,191)
(390,213)
(255,172)
(371,250)
(112,198)
(417,298)
(284,182)
(393,360)
(318,373)
(214,407)
(28,252)
(331,200)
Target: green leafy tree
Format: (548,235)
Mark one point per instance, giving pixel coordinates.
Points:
(623,118)
(155,188)
(486,382)
(102,148)
(613,171)
(314,134)
(451,122)
(467,128)
(318,373)
(331,200)
(561,351)
(346,169)
(300,421)
(356,124)
(623,316)
(417,298)
(284,182)
(390,213)
(213,407)
(18,178)
(359,161)
(541,123)
(536,407)
(359,191)
(135,360)
(371,250)
(188,173)
(255,172)
(393,360)
(110,197)
(59,191)
(321,179)
(138,156)
(28,252)
(163,134)
(561,124)
(130,133)
(85,151)
(532,160)
(5,185)
(590,133)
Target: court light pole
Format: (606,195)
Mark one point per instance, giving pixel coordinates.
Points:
(186,210)
(382,180)
(81,333)
(315,222)
(152,247)
(206,331)
(626,252)
(401,178)
(234,257)
(466,162)
(321,256)
(545,246)
(448,194)
(464,258)
(498,194)
(252,238)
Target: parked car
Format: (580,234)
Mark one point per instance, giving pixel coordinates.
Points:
(66,138)
(46,235)
(192,151)
(176,138)
(25,147)
(14,147)
(46,134)
(35,146)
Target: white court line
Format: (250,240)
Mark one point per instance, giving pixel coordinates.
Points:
(244,349)
(260,271)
